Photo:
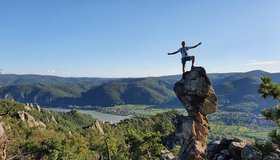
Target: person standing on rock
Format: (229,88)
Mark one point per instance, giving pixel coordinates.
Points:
(185,56)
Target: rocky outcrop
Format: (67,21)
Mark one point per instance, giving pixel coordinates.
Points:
(166,155)
(26,117)
(30,106)
(53,120)
(37,107)
(199,99)
(250,152)
(3,141)
(195,92)
(237,149)
(96,127)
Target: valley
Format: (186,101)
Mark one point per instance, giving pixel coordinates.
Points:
(239,113)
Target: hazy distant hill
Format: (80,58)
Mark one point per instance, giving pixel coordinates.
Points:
(40,93)
(45,90)
(236,91)
(12,79)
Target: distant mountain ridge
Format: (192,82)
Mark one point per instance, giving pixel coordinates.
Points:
(149,91)
(235,91)
(14,79)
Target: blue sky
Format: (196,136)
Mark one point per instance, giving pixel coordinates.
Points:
(127,38)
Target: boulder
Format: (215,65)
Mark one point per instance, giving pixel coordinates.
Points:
(216,148)
(271,158)
(166,155)
(235,148)
(251,153)
(225,153)
(213,148)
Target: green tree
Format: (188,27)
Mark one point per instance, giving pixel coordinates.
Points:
(271,89)
(144,146)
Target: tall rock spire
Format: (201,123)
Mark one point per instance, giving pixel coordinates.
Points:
(199,99)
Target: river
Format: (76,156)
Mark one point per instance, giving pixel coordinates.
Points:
(105,117)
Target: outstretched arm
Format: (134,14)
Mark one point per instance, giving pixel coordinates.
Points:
(195,45)
(173,53)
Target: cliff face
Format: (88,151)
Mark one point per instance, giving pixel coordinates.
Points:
(199,99)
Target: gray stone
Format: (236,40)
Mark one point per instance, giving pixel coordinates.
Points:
(271,158)
(217,147)
(251,153)
(230,149)
(212,149)
(166,155)
(220,157)
(235,148)
(225,152)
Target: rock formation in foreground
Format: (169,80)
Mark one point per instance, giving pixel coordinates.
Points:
(199,99)
(3,141)
(238,149)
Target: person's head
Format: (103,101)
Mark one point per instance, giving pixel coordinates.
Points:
(183,43)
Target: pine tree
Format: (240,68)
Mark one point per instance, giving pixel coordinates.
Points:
(271,89)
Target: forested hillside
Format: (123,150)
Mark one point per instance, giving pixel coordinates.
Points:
(42,134)
(235,91)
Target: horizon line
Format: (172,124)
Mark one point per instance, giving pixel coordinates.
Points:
(35,74)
